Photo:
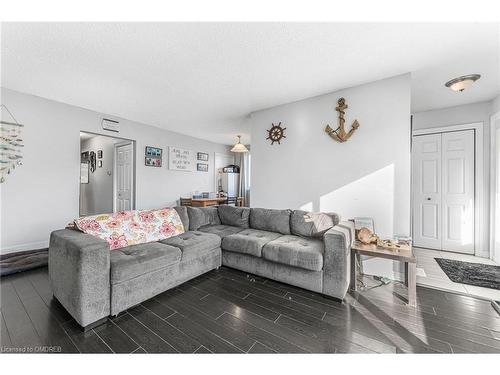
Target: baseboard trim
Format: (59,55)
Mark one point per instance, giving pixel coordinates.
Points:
(24,247)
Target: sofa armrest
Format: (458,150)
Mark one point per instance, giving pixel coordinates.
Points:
(79,274)
(337,259)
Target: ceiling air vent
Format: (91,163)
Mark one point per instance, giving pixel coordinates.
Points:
(110,125)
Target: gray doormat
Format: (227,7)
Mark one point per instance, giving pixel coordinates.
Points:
(23,261)
(476,274)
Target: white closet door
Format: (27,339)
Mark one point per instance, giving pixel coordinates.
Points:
(427,191)
(124,177)
(458,191)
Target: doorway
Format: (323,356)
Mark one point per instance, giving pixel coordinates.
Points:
(107,174)
(443,182)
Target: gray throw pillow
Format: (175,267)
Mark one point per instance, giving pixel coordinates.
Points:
(201,216)
(270,220)
(182,211)
(235,216)
(312,224)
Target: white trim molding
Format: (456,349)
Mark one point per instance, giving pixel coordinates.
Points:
(481,229)
(493,187)
(25,247)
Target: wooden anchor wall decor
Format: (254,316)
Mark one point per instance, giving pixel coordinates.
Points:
(340,134)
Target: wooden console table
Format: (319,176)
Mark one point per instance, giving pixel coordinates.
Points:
(405,256)
(205,202)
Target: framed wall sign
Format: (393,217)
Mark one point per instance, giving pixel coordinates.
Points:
(153,156)
(202,156)
(152,162)
(181,160)
(202,167)
(153,152)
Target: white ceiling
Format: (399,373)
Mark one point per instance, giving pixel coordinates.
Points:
(203,79)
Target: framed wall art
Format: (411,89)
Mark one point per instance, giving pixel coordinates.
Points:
(153,152)
(152,162)
(202,156)
(202,167)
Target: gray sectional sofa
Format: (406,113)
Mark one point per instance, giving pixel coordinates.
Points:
(308,250)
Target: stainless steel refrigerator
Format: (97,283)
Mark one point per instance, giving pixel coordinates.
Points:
(230,183)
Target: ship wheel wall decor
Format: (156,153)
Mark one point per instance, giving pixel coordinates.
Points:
(339,134)
(276,133)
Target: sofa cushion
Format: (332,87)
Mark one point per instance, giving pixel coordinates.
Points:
(220,230)
(182,211)
(312,224)
(132,261)
(248,241)
(194,244)
(270,220)
(200,216)
(235,216)
(306,253)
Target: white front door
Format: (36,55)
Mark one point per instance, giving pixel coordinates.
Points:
(443,191)
(458,191)
(427,191)
(124,177)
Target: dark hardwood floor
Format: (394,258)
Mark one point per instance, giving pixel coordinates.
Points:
(228,311)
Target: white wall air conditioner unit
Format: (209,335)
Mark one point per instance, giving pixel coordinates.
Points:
(110,125)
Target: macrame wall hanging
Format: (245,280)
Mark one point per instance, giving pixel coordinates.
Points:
(11,143)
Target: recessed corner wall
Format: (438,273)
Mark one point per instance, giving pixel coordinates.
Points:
(368,176)
(43,194)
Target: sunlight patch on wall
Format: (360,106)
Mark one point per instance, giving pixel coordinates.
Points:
(370,196)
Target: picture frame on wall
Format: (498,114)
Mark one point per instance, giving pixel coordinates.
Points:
(99,163)
(202,167)
(152,162)
(203,156)
(99,154)
(153,152)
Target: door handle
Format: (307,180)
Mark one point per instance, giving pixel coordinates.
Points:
(428,198)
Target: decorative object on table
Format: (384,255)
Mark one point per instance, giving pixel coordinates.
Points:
(393,244)
(92,161)
(340,134)
(203,156)
(152,162)
(366,236)
(84,172)
(478,274)
(11,145)
(202,167)
(99,164)
(276,133)
(231,169)
(239,147)
(181,159)
(99,154)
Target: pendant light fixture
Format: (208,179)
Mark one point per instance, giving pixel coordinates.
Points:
(461,83)
(239,147)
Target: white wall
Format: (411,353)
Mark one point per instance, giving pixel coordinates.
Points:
(369,175)
(466,114)
(97,196)
(43,194)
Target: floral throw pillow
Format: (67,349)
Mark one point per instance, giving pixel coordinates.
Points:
(125,228)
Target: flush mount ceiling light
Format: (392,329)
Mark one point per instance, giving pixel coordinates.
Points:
(239,147)
(461,83)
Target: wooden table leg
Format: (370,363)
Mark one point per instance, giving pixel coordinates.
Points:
(411,276)
(354,265)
